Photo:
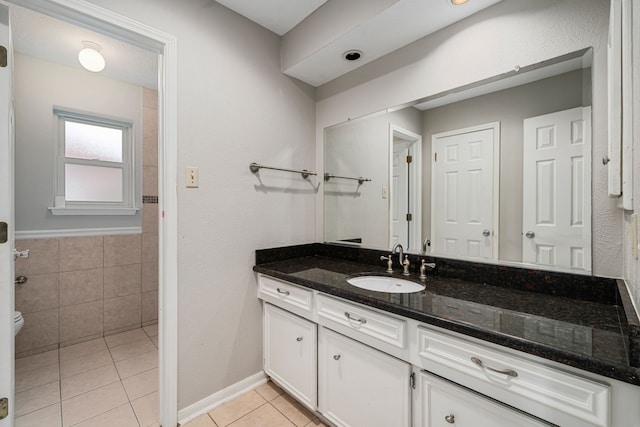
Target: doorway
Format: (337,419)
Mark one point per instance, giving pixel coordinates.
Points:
(105,22)
(557,229)
(464,204)
(405,188)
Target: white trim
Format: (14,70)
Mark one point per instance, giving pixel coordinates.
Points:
(96,18)
(225,395)
(55,210)
(77,232)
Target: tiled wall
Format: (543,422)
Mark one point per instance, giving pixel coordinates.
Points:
(80,288)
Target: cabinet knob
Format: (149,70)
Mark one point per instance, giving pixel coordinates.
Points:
(336,357)
(299,339)
(451,419)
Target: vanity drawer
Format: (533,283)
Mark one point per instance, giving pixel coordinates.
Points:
(286,295)
(551,394)
(362,322)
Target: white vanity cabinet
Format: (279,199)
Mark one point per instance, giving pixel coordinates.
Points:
(290,351)
(353,364)
(361,386)
(440,403)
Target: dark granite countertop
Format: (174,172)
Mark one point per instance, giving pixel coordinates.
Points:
(594,334)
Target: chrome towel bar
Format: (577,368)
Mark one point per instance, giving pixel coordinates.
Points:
(255,167)
(328,176)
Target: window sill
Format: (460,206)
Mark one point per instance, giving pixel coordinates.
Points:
(93,211)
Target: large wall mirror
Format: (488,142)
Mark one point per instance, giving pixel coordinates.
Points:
(498,171)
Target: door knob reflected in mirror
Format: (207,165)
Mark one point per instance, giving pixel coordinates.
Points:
(20,254)
(486,233)
(530,234)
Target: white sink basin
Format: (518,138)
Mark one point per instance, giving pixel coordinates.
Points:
(385,284)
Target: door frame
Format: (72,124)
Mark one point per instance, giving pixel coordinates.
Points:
(95,18)
(415,180)
(7,265)
(495,126)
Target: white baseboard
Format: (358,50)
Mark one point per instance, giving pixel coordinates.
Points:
(209,403)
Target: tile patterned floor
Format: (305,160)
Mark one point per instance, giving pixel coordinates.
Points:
(106,382)
(265,406)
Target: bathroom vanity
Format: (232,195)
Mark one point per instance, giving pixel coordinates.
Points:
(480,345)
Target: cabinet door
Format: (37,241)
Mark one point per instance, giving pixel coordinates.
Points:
(361,386)
(290,353)
(440,403)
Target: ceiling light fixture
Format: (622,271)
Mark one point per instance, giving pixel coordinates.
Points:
(458,2)
(91,58)
(352,55)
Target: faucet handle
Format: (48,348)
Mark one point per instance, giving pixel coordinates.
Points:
(389,260)
(423,268)
(406,265)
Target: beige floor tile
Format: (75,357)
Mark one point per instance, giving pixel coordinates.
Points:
(70,367)
(269,391)
(154,340)
(116,340)
(317,423)
(37,398)
(264,416)
(88,380)
(93,403)
(231,411)
(146,409)
(51,416)
(294,411)
(203,420)
(122,416)
(131,349)
(151,330)
(41,359)
(137,364)
(32,375)
(82,349)
(142,384)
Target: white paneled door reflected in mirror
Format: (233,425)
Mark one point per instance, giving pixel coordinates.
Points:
(499,171)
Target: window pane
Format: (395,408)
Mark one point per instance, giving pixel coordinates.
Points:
(92,184)
(91,142)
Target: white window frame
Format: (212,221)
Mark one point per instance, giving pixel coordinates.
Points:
(64,207)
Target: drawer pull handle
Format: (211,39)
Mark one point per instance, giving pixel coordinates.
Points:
(508,372)
(299,339)
(336,357)
(361,320)
(451,419)
(281,292)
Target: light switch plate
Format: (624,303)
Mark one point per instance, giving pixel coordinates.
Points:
(191,177)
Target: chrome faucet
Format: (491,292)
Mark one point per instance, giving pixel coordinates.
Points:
(398,248)
(426,244)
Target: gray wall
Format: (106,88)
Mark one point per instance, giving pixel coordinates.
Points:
(509,107)
(39,85)
(234,107)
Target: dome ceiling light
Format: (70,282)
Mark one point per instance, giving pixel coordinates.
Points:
(91,58)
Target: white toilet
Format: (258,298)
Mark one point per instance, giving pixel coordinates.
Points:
(18,321)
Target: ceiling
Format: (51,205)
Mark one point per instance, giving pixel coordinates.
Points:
(374,27)
(315,34)
(50,39)
(279,16)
